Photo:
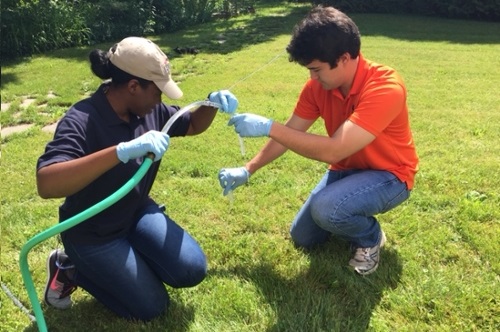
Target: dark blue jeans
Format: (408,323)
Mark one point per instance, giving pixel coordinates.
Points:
(344,203)
(128,274)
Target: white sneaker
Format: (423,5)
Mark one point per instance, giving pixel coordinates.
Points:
(365,260)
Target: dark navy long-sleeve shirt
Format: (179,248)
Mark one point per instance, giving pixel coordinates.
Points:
(89,126)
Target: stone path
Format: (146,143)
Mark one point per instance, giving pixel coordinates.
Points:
(6,131)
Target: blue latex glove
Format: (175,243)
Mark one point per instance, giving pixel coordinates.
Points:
(153,141)
(230,178)
(226,99)
(250,125)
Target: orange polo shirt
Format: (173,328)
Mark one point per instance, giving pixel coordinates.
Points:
(377,103)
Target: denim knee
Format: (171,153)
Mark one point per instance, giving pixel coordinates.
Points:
(308,240)
(151,308)
(298,239)
(193,274)
(323,210)
(196,276)
(336,217)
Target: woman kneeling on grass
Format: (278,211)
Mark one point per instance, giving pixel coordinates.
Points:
(124,255)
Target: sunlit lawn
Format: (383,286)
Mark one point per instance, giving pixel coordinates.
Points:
(440,268)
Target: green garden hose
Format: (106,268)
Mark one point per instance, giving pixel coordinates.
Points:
(88,213)
(61,227)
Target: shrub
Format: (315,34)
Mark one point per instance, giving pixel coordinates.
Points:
(36,26)
(40,25)
(464,9)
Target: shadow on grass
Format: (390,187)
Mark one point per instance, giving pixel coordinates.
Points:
(226,36)
(217,37)
(328,296)
(90,315)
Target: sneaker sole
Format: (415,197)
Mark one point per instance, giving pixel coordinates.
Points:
(382,241)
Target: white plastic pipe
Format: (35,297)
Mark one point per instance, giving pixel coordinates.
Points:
(192,106)
(188,108)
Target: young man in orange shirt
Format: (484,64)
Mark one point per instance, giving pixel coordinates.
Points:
(369,147)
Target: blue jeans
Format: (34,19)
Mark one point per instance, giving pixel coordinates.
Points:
(128,274)
(344,204)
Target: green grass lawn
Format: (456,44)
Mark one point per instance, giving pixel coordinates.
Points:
(440,268)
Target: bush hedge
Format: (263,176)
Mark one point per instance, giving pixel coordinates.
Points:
(459,9)
(36,26)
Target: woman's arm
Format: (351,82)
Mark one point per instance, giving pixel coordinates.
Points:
(67,178)
(201,119)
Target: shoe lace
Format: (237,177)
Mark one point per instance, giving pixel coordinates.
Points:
(62,266)
(68,285)
(362,254)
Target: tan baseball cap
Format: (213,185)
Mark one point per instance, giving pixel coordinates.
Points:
(142,58)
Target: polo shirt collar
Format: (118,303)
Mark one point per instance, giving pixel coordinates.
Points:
(359,77)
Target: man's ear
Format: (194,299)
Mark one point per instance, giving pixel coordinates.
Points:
(345,57)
